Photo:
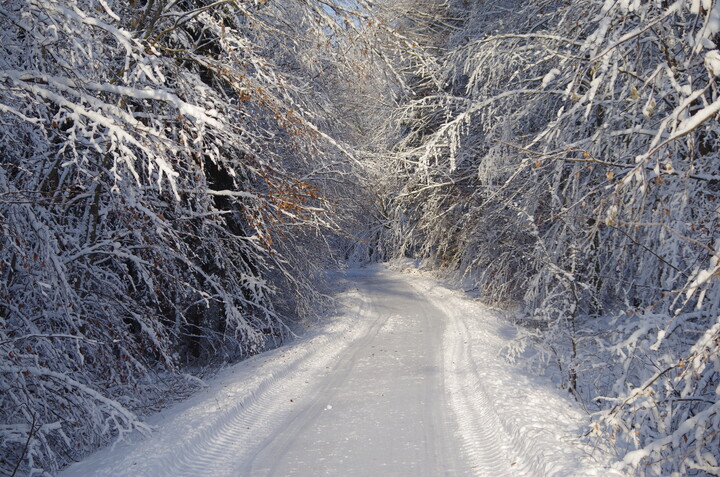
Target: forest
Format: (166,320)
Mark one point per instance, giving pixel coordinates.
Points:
(177,175)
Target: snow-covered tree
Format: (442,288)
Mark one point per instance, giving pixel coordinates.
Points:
(168,174)
(567,159)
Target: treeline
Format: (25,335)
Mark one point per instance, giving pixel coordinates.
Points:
(564,156)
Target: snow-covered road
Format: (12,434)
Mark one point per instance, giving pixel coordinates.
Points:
(408,381)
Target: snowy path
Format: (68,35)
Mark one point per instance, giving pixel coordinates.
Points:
(407,383)
(382,410)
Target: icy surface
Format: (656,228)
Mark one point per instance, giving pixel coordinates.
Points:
(407,381)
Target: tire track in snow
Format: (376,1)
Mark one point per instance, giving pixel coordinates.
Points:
(213,435)
(486,442)
(230,447)
(320,397)
(389,415)
(511,424)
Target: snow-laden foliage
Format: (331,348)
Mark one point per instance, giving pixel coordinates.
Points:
(167,174)
(565,155)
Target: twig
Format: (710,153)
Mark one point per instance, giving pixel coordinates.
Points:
(27,444)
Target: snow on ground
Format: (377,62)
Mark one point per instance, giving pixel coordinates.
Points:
(511,423)
(407,381)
